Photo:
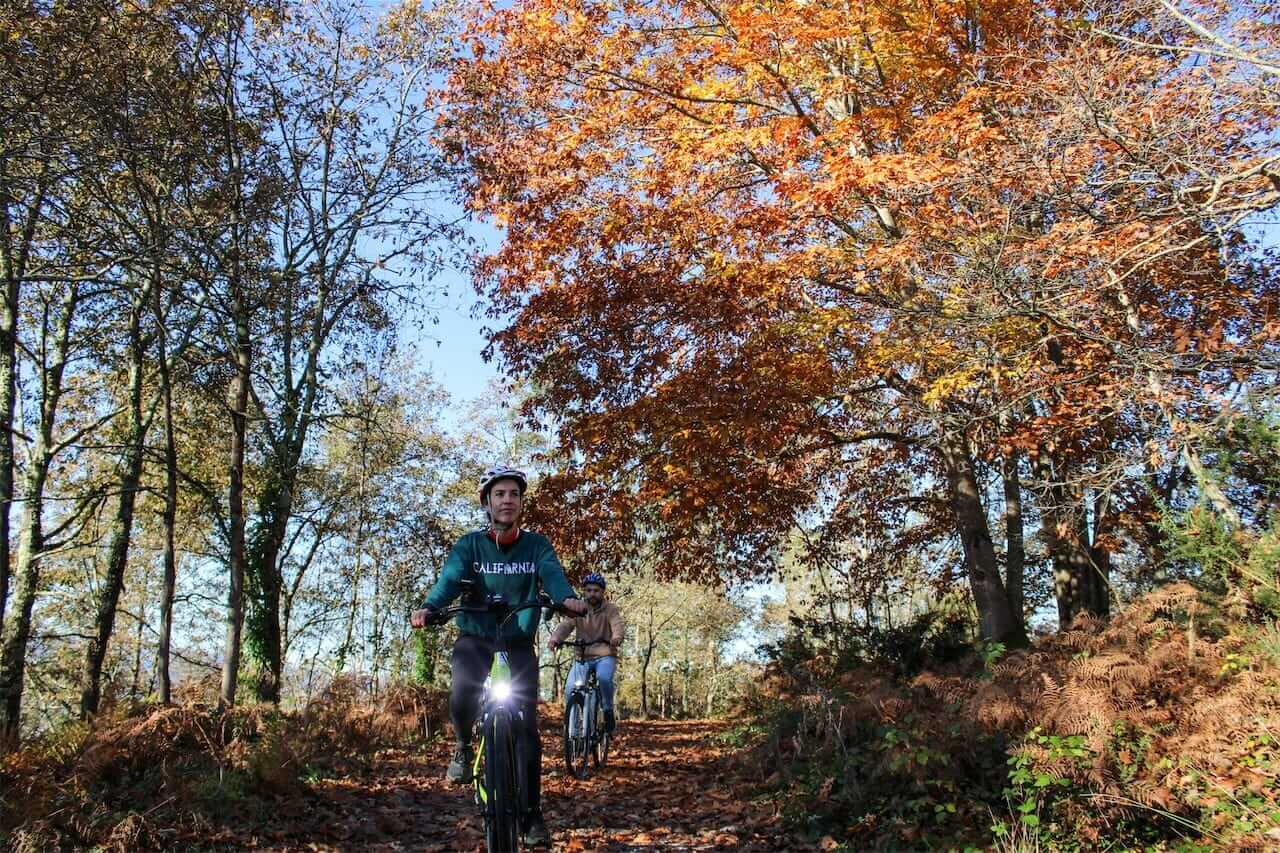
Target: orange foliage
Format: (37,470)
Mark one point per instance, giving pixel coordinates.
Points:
(751,248)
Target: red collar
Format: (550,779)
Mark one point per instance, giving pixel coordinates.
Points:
(502,540)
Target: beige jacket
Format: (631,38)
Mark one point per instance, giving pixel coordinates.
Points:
(604,623)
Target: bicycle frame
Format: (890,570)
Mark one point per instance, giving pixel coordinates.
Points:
(500,712)
(594,740)
(497,696)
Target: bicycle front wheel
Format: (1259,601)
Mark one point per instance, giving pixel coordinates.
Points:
(502,803)
(575,735)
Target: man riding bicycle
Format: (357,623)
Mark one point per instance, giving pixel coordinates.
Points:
(513,563)
(602,627)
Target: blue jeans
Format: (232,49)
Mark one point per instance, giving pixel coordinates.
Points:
(604,668)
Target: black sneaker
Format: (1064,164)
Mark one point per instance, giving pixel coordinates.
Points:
(459,771)
(609,722)
(535,831)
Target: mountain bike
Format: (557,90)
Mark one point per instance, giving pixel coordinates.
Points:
(584,728)
(500,772)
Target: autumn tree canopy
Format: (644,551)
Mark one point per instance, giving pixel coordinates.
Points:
(831,265)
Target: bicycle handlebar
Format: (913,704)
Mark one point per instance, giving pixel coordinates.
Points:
(494,604)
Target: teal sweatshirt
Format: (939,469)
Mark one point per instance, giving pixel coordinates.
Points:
(514,572)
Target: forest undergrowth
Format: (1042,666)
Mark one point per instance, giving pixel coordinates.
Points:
(346,776)
(152,777)
(1158,730)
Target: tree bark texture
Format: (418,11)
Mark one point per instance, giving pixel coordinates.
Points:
(122,525)
(996,617)
(1078,586)
(235,589)
(31,532)
(1015,546)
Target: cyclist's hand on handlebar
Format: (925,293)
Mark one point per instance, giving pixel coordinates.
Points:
(424,617)
(554,644)
(576,606)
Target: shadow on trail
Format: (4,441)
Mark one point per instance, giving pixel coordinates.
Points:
(668,786)
(402,803)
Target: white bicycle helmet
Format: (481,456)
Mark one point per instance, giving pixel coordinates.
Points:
(501,472)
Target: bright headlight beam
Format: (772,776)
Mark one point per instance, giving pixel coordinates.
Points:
(502,690)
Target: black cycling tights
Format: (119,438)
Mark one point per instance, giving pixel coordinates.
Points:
(471,660)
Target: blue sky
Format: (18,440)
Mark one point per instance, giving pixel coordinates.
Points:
(451,349)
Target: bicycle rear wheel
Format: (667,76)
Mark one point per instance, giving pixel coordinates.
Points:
(502,809)
(575,735)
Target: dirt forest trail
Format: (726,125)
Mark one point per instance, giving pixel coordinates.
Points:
(670,785)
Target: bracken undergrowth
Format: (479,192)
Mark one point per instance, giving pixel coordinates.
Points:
(1157,730)
(146,776)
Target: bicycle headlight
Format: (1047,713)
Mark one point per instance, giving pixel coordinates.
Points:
(502,690)
(579,683)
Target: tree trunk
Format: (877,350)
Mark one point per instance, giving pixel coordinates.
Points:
(276,506)
(557,677)
(644,680)
(714,655)
(345,648)
(31,544)
(13,659)
(135,684)
(235,591)
(8,397)
(1015,548)
(379,615)
(1062,511)
(233,259)
(169,582)
(686,667)
(426,646)
(122,526)
(1100,555)
(266,582)
(1189,453)
(995,615)
(13,258)
(834,623)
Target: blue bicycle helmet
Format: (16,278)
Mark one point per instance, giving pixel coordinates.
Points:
(595,578)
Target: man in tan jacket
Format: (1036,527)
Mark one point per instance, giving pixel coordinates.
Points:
(602,627)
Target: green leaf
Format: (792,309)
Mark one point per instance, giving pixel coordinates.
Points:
(1030,820)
